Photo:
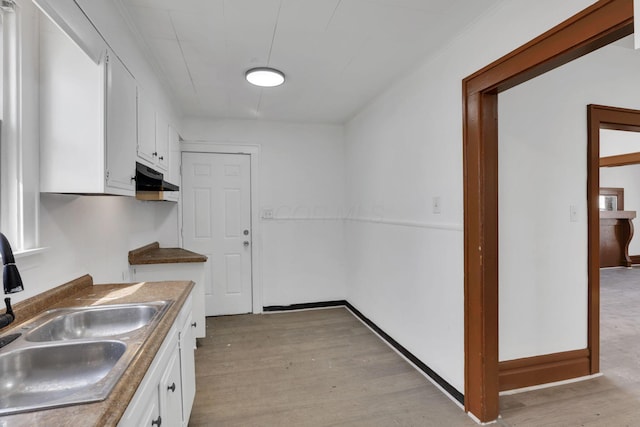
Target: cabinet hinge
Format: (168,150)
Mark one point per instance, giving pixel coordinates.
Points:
(106,175)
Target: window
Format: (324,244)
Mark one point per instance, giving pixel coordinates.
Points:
(19,170)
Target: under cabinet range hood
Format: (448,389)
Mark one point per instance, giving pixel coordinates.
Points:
(150,185)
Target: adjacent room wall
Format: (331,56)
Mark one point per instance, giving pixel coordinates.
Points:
(302,181)
(406,262)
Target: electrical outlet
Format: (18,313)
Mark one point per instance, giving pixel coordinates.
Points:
(267,213)
(436,205)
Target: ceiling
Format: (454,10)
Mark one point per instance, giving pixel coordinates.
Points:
(337,54)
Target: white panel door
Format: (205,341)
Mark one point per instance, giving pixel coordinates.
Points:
(217,223)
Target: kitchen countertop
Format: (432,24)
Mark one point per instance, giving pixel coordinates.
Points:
(154,254)
(82,292)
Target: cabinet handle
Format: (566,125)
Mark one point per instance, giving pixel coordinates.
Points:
(161,157)
(172,387)
(194,324)
(154,154)
(133,178)
(157,422)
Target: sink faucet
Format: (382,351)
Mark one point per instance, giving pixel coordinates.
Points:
(12,283)
(10,275)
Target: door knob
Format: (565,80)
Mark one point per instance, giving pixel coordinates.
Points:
(246,243)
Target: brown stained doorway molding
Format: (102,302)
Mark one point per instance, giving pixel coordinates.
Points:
(600,24)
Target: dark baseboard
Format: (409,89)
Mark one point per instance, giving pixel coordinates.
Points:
(406,353)
(304,306)
(453,392)
(543,369)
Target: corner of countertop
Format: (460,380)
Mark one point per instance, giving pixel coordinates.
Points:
(134,254)
(154,254)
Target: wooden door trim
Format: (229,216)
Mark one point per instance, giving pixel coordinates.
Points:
(599,117)
(620,160)
(547,368)
(590,29)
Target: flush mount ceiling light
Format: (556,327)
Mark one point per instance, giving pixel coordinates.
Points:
(265,77)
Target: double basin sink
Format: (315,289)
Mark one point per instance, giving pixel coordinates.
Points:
(73,355)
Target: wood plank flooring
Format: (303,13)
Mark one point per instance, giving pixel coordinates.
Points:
(324,368)
(310,368)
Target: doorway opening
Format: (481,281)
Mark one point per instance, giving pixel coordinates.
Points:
(600,24)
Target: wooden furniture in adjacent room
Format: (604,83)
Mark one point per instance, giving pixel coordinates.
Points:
(616,231)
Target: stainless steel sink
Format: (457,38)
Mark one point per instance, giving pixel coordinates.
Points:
(53,375)
(73,355)
(94,322)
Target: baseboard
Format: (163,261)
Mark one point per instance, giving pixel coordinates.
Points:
(305,306)
(635,259)
(548,368)
(451,390)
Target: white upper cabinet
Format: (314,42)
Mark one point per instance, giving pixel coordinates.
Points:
(162,143)
(175,157)
(87,119)
(146,129)
(153,142)
(121,126)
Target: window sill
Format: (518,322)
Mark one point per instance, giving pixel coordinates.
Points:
(29,252)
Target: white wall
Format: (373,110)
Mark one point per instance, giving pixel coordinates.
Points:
(91,234)
(404,149)
(302,180)
(628,177)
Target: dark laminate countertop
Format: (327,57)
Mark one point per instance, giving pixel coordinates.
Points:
(81,292)
(154,254)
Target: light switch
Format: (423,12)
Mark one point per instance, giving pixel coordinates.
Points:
(437,205)
(573,213)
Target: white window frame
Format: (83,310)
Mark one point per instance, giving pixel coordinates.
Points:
(19,145)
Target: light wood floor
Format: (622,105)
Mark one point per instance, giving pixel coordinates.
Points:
(324,368)
(310,368)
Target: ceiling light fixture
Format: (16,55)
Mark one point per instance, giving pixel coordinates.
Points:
(265,77)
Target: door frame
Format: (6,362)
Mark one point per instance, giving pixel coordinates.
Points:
(596,26)
(253,150)
(599,117)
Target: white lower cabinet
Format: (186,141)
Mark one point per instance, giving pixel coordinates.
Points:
(150,413)
(165,396)
(171,392)
(187,368)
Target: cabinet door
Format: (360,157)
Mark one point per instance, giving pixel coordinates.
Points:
(121,132)
(171,392)
(162,143)
(175,158)
(187,367)
(150,414)
(146,129)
